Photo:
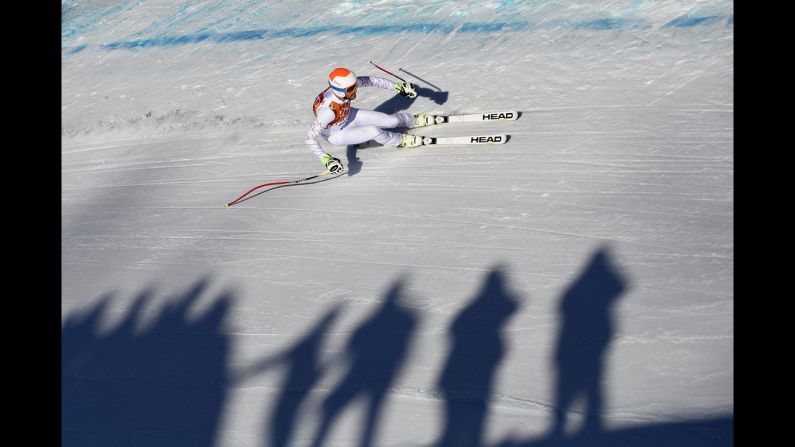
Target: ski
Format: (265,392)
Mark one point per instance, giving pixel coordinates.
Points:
(509,115)
(448,141)
(472,139)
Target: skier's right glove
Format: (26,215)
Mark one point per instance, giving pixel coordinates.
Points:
(334,165)
(406,89)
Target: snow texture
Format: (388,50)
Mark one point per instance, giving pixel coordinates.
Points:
(573,287)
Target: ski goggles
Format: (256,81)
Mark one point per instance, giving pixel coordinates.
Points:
(348,91)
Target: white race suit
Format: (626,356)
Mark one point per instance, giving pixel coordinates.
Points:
(342,125)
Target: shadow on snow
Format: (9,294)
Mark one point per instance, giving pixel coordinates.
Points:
(163,384)
(166,384)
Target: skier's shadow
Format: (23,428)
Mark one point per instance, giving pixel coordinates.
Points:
(394,104)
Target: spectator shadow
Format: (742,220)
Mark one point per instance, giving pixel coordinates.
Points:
(163,380)
(154,384)
(377,350)
(477,349)
(302,372)
(375,355)
(392,105)
(587,326)
(717,431)
(585,331)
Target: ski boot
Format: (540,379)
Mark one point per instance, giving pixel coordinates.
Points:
(423,119)
(409,141)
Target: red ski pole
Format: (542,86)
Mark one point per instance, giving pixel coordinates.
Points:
(387,71)
(264,185)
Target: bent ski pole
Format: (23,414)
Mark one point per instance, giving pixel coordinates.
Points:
(387,71)
(290,182)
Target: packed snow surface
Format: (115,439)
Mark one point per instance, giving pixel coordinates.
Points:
(571,287)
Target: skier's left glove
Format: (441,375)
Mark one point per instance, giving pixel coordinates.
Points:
(334,165)
(406,89)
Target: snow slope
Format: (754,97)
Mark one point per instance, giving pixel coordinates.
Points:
(581,274)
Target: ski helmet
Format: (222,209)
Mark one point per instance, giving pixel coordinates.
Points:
(342,81)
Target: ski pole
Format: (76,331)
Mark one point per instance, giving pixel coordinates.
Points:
(423,80)
(289,182)
(387,71)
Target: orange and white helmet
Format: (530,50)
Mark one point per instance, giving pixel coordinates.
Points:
(342,82)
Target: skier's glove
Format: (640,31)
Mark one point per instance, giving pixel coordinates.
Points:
(334,165)
(406,89)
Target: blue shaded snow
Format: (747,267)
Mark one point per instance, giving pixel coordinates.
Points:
(383,30)
(229,21)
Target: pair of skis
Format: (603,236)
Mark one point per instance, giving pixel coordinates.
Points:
(499,138)
(426,141)
(469,118)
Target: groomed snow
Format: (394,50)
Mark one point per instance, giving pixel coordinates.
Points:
(450,296)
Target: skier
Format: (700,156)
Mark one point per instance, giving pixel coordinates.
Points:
(342,125)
